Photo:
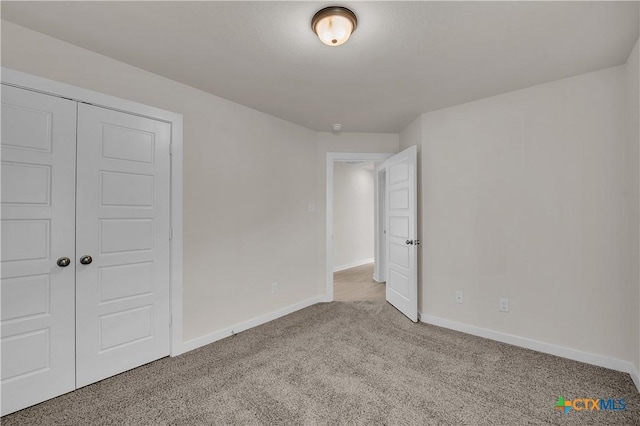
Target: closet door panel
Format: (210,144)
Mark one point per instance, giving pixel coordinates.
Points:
(38,227)
(123,224)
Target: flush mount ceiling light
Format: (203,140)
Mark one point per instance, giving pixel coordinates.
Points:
(334,25)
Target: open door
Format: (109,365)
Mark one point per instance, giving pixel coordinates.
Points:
(402,242)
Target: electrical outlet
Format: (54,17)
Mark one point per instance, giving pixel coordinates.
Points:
(274,288)
(459,297)
(504,305)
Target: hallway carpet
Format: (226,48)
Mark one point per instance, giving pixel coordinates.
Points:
(345,363)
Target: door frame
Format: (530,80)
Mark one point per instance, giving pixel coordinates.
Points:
(380,270)
(34,83)
(332,157)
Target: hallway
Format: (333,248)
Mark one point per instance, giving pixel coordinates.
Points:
(357,284)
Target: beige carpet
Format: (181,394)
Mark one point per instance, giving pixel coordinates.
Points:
(345,363)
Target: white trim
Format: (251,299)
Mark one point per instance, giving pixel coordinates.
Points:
(54,88)
(51,87)
(536,345)
(177,239)
(331,158)
(254,322)
(353,264)
(379,268)
(634,377)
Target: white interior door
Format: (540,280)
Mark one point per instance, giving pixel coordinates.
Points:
(38,228)
(123,224)
(402,233)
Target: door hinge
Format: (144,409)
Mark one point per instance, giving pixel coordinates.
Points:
(171,149)
(170,234)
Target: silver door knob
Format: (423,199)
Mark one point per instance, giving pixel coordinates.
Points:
(63,262)
(86,259)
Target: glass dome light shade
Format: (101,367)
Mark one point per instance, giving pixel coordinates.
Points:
(334,25)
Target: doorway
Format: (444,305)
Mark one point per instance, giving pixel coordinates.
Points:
(354,227)
(353,232)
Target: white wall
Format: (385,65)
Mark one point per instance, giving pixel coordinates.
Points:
(341,142)
(532,195)
(632,80)
(248,179)
(411,135)
(353,215)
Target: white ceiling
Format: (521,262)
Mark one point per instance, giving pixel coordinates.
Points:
(404,59)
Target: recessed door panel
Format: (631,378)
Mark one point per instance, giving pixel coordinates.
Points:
(398,173)
(24,240)
(399,283)
(24,297)
(125,327)
(25,183)
(125,235)
(399,199)
(121,143)
(122,300)
(126,189)
(399,227)
(38,227)
(24,127)
(25,354)
(121,281)
(399,254)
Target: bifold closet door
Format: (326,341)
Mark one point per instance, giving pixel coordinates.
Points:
(122,231)
(38,247)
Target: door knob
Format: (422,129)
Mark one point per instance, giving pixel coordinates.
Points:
(86,259)
(63,262)
(409,242)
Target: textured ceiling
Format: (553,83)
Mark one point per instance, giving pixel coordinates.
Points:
(404,59)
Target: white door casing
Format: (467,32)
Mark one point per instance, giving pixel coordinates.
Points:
(38,227)
(402,233)
(380,268)
(123,312)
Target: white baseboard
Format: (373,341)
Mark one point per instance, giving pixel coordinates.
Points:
(536,345)
(237,328)
(353,264)
(377,279)
(634,377)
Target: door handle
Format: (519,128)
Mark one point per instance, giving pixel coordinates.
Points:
(409,242)
(63,262)
(86,259)
(412,242)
